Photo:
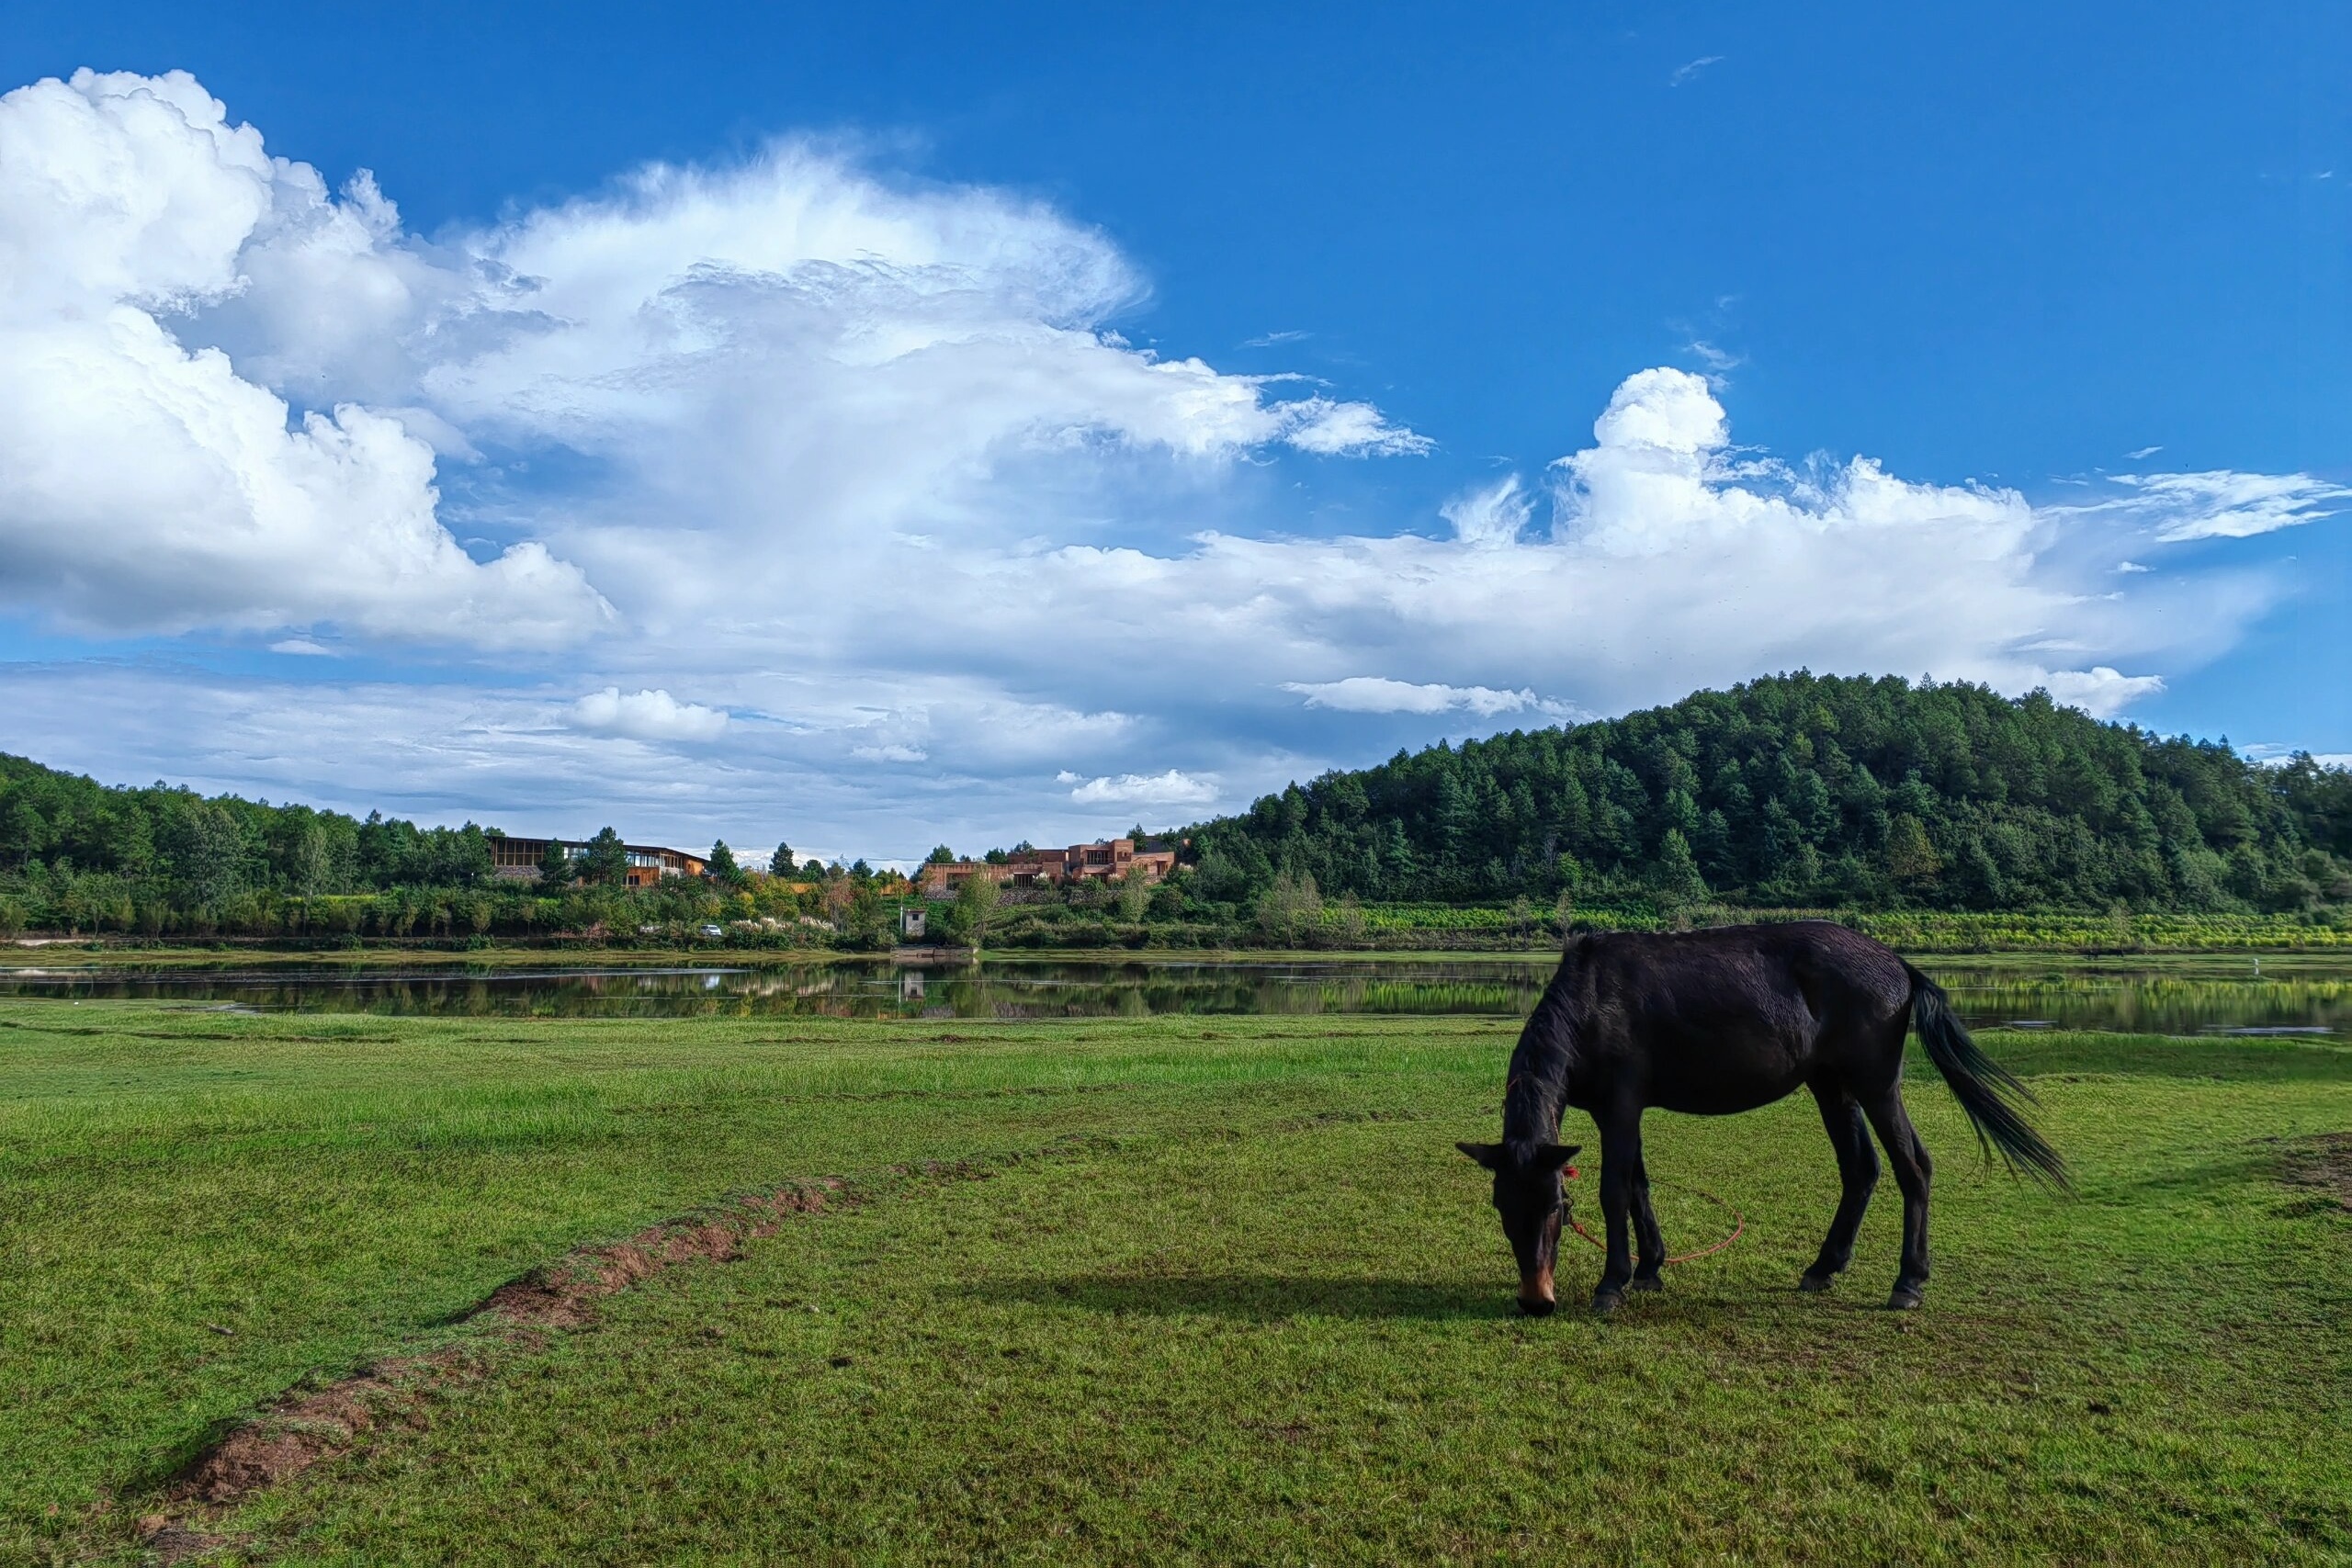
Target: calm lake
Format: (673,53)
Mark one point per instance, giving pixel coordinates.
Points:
(2298,996)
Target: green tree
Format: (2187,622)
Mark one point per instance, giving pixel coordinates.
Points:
(1135,896)
(873,920)
(1347,921)
(1291,908)
(1676,877)
(977,897)
(940,855)
(781,862)
(208,855)
(24,833)
(310,859)
(1910,856)
(722,867)
(452,857)
(606,862)
(555,865)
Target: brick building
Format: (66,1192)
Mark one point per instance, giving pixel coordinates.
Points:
(1104,860)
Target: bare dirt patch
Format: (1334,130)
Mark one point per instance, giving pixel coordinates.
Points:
(563,1294)
(2322,1166)
(304,1426)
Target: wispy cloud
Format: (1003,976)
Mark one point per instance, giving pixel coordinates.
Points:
(2220,505)
(1273,340)
(1717,360)
(1690,69)
(1377,694)
(2144,453)
(2272,755)
(1493,515)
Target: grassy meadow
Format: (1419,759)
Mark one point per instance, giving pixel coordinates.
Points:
(1177,1289)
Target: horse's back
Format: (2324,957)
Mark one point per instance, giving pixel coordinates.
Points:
(1733,1017)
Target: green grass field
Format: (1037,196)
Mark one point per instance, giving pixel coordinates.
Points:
(1187,1288)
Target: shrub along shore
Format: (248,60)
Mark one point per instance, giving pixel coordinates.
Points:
(390,925)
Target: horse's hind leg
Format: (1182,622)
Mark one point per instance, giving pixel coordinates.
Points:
(1912,1170)
(1857,1175)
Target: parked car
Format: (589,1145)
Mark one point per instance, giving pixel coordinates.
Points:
(713,930)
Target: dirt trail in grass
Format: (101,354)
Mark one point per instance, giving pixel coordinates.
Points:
(309,1425)
(306,1427)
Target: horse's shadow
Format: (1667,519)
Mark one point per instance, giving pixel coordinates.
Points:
(1258,1298)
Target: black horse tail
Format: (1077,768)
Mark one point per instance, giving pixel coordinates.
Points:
(1986,1089)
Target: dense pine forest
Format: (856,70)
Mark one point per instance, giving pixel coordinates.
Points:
(1817,791)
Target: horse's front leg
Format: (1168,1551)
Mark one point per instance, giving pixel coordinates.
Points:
(1621,1156)
(1649,1244)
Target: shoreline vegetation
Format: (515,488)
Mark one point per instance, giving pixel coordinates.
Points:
(1406,932)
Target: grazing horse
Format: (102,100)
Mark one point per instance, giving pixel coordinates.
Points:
(1710,1022)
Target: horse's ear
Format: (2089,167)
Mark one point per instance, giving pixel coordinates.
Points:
(1551,1156)
(1488,1154)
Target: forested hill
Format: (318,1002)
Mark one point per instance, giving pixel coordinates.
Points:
(58,827)
(1804,790)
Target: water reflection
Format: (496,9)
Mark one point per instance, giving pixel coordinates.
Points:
(2224,996)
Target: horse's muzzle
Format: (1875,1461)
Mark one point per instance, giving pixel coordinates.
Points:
(1535,1297)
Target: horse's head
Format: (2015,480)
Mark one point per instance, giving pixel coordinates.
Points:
(1529,1198)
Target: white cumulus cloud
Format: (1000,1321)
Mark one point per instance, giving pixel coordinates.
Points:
(647,715)
(224,389)
(145,484)
(2100,691)
(1171,788)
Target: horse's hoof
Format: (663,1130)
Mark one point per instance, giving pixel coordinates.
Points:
(1606,1301)
(1813,1284)
(1904,1300)
(1646,1282)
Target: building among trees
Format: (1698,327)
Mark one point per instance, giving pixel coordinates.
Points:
(521,860)
(1105,860)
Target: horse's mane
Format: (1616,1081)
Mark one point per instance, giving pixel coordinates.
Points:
(1537,1090)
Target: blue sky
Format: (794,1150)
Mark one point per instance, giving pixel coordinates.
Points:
(908,528)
